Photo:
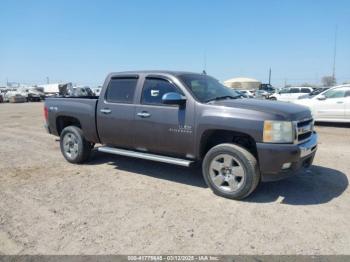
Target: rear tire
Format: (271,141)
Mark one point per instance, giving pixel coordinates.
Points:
(231,171)
(74,147)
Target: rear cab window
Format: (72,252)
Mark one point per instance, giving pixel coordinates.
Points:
(121,90)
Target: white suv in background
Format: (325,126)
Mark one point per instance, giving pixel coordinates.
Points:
(291,93)
(332,105)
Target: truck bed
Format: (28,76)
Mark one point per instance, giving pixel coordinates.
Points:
(81,97)
(81,108)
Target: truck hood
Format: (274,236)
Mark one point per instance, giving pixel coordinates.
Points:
(280,110)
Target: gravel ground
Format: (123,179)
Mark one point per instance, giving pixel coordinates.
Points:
(120,205)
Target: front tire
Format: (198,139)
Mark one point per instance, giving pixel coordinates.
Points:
(74,147)
(231,171)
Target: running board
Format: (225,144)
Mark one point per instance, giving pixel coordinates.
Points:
(147,156)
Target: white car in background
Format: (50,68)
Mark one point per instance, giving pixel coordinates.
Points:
(246,93)
(291,93)
(332,105)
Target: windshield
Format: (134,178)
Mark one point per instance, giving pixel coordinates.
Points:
(206,88)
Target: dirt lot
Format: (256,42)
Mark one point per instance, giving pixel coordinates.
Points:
(120,205)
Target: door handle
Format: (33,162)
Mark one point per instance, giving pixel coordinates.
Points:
(105,111)
(340,102)
(143,114)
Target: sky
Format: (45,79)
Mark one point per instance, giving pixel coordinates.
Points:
(82,41)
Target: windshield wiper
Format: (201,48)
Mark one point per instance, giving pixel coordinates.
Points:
(222,98)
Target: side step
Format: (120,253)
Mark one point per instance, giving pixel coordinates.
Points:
(164,159)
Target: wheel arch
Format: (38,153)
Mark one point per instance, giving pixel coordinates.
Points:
(213,137)
(64,121)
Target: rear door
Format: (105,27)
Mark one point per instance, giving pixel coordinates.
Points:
(304,91)
(116,110)
(160,128)
(333,107)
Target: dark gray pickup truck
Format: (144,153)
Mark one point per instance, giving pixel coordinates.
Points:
(181,118)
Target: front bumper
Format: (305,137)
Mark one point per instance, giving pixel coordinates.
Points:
(273,156)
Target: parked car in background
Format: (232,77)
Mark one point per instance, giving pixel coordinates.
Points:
(268,88)
(261,94)
(291,93)
(246,93)
(17,98)
(332,105)
(315,92)
(96,91)
(30,94)
(9,94)
(82,91)
(33,94)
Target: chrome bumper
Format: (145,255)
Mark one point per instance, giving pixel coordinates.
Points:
(309,147)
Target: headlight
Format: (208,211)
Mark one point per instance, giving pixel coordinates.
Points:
(278,132)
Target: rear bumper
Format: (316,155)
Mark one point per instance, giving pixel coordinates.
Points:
(272,157)
(47,128)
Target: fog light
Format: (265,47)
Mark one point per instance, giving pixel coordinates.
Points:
(286,165)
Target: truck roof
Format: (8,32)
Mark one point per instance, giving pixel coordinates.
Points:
(169,72)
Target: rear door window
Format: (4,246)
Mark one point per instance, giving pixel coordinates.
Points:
(305,90)
(121,90)
(294,90)
(284,91)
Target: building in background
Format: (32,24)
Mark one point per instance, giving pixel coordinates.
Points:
(243,83)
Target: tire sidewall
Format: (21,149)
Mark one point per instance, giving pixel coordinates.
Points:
(249,169)
(77,132)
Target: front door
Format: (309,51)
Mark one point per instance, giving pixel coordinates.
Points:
(160,128)
(284,95)
(333,107)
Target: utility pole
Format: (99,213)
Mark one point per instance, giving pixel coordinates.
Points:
(335,50)
(270,76)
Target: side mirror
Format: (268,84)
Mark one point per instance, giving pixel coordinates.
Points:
(173,98)
(321,97)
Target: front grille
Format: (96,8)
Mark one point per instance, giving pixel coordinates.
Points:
(304,129)
(304,136)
